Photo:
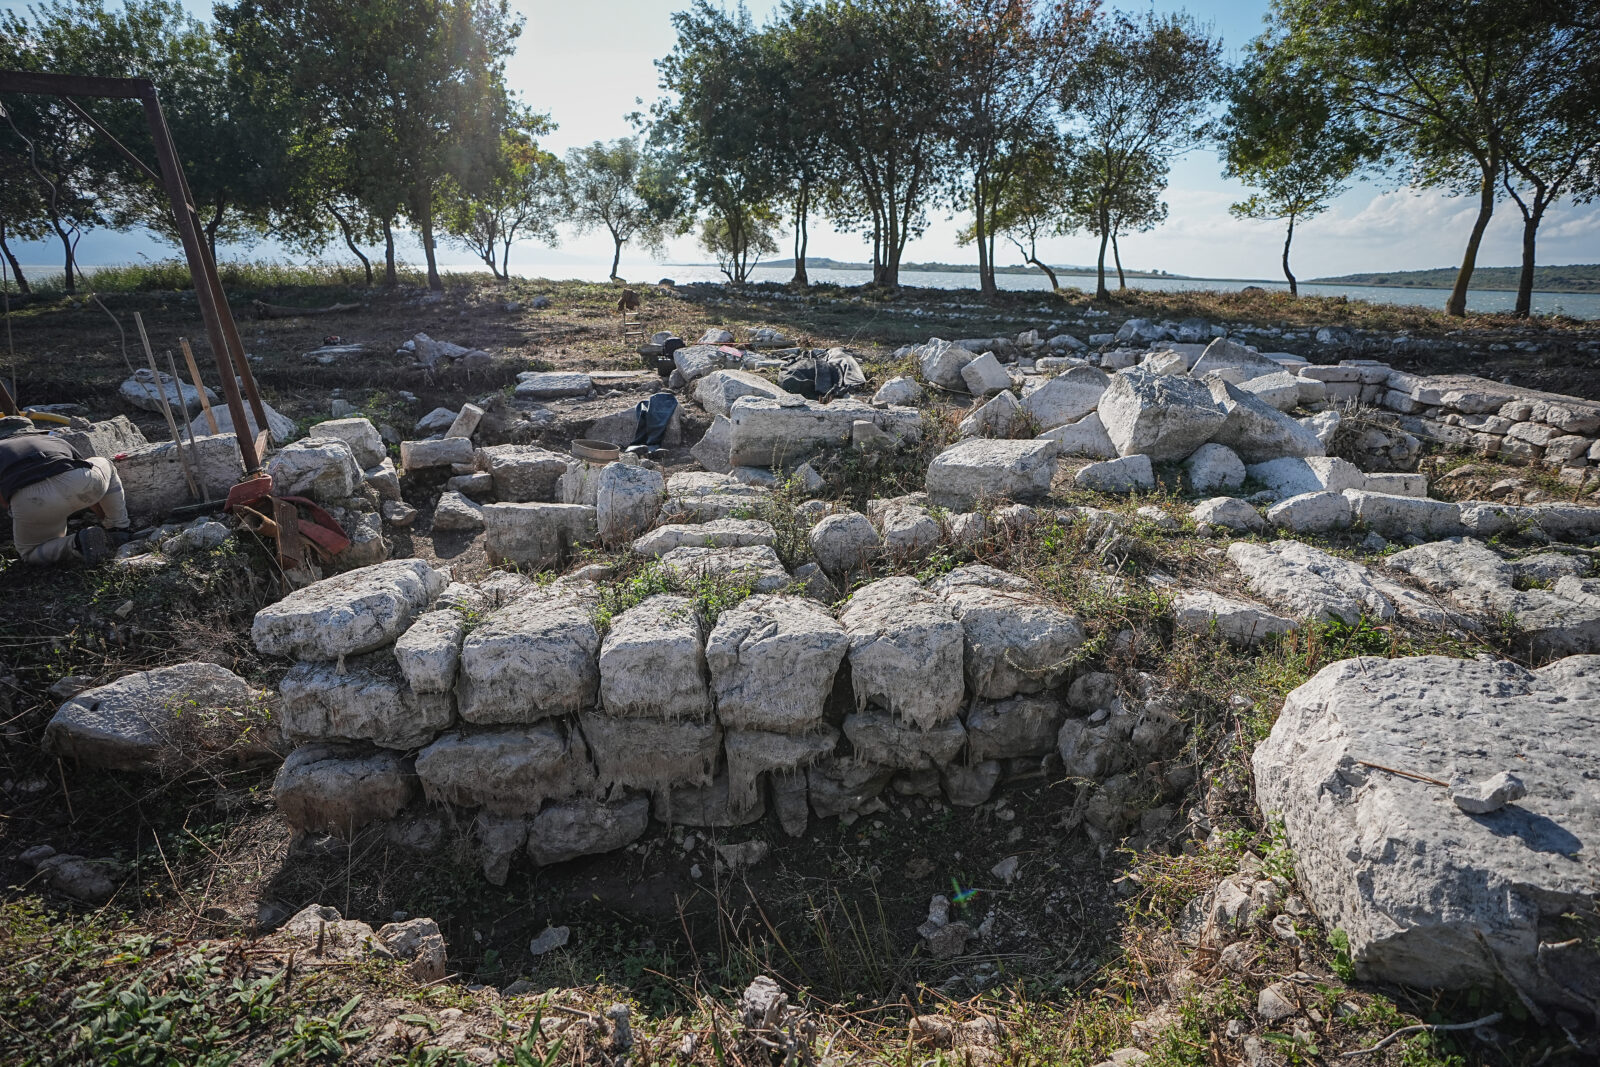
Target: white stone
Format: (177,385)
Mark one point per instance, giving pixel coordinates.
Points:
(1126,475)
(713,450)
(627,500)
(533,659)
(585,827)
(536,535)
(1013,729)
(984,376)
(1399,516)
(898,391)
(1242,623)
(1324,424)
(1293,475)
(756,567)
(357,611)
(782,431)
(1256,430)
(881,738)
(322,468)
(364,700)
(1161,416)
(651,754)
(1015,641)
(1235,359)
(1213,468)
(362,437)
(1279,389)
(143,391)
(1066,398)
(941,363)
(906,651)
(1314,513)
(429,653)
(1396,484)
(653,662)
(773,660)
(465,424)
(506,771)
(383,479)
(336,789)
(1312,584)
(844,542)
(1086,437)
(717,391)
(550,385)
(522,473)
(909,531)
(978,469)
(435,421)
(701,497)
(718,533)
(153,482)
(1429,896)
(455,512)
(441,452)
(994,418)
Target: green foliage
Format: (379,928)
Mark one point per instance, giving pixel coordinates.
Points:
(712,595)
(616,187)
(520,198)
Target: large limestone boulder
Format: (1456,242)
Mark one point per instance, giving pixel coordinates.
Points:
(144,391)
(363,438)
(1256,430)
(322,468)
(532,659)
(1292,475)
(521,473)
(881,738)
(367,699)
(1015,641)
(536,535)
(781,431)
(1163,416)
(652,754)
(942,362)
(753,753)
(1086,437)
(996,417)
(153,482)
(1312,584)
(1213,468)
(1203,612)
(509,771)
(773,660)
(1126,475)
(1066,398)
(1429,895)
(627,500)
(357,611)
(906,651)
(653,661)
(1014,729)
(163,719)
(979,469)
(717,391)
(1233,361)
(338,789)
(699,496)
(1403,516)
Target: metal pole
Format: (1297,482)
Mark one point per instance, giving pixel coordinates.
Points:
(205,293)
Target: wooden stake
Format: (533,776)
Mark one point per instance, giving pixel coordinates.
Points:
(188,421)
(166,409)
(199,386)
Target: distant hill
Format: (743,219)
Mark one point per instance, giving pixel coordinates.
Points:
(824,263)
(1577,278)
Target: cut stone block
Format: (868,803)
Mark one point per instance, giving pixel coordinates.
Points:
(1293,475)
(1126,475)
(1235,360)
(994,418)
(708,806)
(906,651)
(881,738)
(508,771)
(152,475)
(533,659)
(985,376)
(653,662)
(717,391)
(773,660)
(752,753)
(757,566)
(521,473)
(455,512)
(1241,623)
(845,542)
(651,754)
(718,533)
(465,424)
(697,496)
(440,452)
(1012,729)
(552,385)
(1214,468)
(1400,516)
(1313,513)
(366,700)
(1311,584)
(1165,417)
(840,786)
(1256,430)
(429,653)
(350,613)
(363,438)
(941,363)
(1229,513)
(338,789)
(1014,641)
(1086,437)
(714,452)
(627,500)
(535,535)
(780,432)
(981,470)
(586,827)
(1066,398)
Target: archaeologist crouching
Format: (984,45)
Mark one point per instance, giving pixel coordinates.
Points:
(44,482)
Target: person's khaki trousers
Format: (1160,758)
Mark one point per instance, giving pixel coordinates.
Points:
(39,512)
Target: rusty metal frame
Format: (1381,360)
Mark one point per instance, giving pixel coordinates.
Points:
(221,332)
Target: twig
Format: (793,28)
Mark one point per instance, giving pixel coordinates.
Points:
(1404,774)
(1431,1028)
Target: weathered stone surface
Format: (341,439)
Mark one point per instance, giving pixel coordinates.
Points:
(1293,475)
(1066,398)
(996,417)
(898,392)
(338,789)
(1400,516)
(717,391)
(1395,483)
(752,753)
(429,653)
(1015,642)
(782,431)
(521,473)
(718,533)
(455,512)
(152,475)
(363,438)
(1560,621)
(1236,361)
(1280,389)
(651,754)
(1126,475)
(773,660)
(580,482)
(535,535)
(1229,513)
(532,659)
(839,786)
(465,424)
(844,542)
(1312,584)
(653,662)
(698,497)
(1015,728)
(941,363)
(627,501)
(354,612)
(1313,513)
(550,385)
(881,738)
(365,700)
(909,531)
(757,566)
(977,469)
(163,719)
(1214,468)
(1256,430)
(440,452)
(709,805)
(586,827)
(1086,437)
(507,771)
(383,479)
(1242,623)
(1165,417)
(696,361)
(906,651)
(1429,896)
(144,391)
(107,437)
(714,450)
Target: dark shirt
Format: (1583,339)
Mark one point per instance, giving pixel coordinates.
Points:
(29,458)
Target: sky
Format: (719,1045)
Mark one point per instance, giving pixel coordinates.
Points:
(590,62)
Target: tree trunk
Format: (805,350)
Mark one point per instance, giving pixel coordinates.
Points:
(616,256)
(16,268)
(1100,290)
(391,276)
(424,220)
(801,237)
(1116,256)
(1294,288)
(1457,305)
(70,284)
(350,242)
(980,232)
(211,232)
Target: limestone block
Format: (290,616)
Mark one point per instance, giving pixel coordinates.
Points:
(651,754)
(586,827)
(338,789)
(718,533)
(978,469)
(535,535)
(1165,417)
(357,611)
(881,738)
(363,438)
(508,770)
(1126,475)
(534,658)
(429,653)
(773,660)
(1015,642)
(755,566)
(653,662)
(1239,622)
(906,651)
(522,473)
(439,452)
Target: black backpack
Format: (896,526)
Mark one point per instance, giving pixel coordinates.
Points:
(819,377)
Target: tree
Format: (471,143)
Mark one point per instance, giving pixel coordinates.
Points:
(794,125)
(1282,135)
(413,89)
(1131,204)
(615,187)
(22,208)
(737,255)
(1030,201)
(1011,56)
(884,69)
(715,127)
(1445,83)
(521,198)
(1139,98)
